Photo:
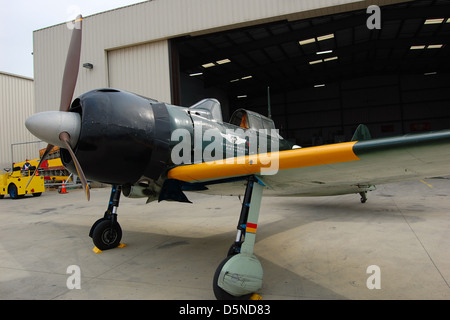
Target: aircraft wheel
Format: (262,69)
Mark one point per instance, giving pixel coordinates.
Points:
(234,249)
(107,235)
(221,294)
(13,193)
(91,232)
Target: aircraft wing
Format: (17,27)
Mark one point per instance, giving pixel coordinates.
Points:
(342,168)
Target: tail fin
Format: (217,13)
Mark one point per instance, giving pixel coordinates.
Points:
(361,133)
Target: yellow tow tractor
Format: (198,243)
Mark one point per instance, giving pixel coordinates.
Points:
(15,182)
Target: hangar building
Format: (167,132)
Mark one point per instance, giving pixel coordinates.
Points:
(16,104)
(323,66)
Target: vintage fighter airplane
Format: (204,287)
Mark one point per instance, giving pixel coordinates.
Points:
(126,140)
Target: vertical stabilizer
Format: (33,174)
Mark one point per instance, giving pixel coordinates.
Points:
(361,133)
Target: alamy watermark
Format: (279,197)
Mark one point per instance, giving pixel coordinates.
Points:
(234,146)
(374,20)
(74,280)
(374,280)
(73,11)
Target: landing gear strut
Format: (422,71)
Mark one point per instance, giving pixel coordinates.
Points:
(363,196)
(241,273)
(106,232)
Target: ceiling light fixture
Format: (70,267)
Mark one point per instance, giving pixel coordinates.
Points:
(312,40)
(326,37)
(316,61)
(303,42)
(196,74)
(417,47)
(223,61)
(324,52)
(434,21)
(330,59)
(435,46)
(247,77)
(319,85)
(208,65)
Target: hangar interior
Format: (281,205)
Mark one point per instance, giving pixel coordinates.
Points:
(327,74)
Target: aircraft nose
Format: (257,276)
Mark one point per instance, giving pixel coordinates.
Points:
(47,126)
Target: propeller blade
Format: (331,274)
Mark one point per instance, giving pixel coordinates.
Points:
(54,126)
(47,151)
(72,66)
(65,138)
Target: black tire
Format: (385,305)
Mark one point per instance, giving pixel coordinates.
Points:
(107,235)
(13,192)
(91,232)
(221,294)
(234,249)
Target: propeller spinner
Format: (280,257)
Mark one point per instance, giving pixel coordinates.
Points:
(62,128)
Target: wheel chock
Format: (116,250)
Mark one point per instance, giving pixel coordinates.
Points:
(97,250)
(255,296)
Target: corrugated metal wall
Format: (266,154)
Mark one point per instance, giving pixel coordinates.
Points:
(16,104)
(142,69)
(152,22)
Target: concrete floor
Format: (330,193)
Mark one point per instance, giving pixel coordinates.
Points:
(310,248)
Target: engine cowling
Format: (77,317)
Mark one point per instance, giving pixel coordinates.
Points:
(124,137)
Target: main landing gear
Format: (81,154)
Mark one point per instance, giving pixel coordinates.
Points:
(241,273)
(106,232)
(363,196)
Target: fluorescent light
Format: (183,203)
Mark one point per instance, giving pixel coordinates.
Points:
(431,46)
(208,65)
(324,52)
(435,46)
(430,73)
(303,42)
(196,74)
(242,96)
(319,85)
(243,78)
(321,38)
(324,60)
(417,47)
(434,21)
(448,20)
(326,37)
(316,61)
(330,59)
(223,61)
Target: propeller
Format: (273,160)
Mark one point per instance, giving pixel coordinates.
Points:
(62,128)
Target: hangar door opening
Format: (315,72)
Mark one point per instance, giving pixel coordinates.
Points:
(329,73)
